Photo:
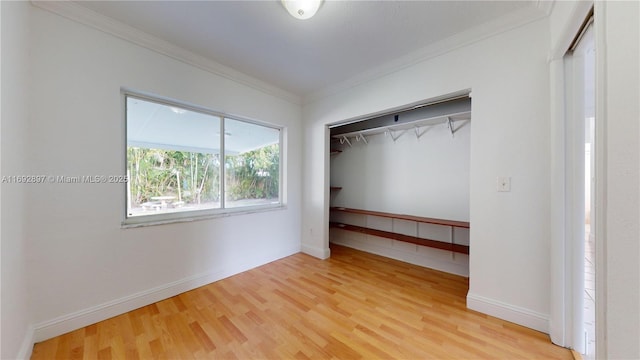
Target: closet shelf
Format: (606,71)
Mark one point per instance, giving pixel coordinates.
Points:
(454,223)
(462,249)
(401,128)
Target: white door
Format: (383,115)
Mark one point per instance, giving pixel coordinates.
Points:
(580,211)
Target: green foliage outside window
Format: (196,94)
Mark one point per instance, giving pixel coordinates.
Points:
(254,174)
(190,177)
(194,178)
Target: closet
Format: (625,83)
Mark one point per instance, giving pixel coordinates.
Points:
(400,184)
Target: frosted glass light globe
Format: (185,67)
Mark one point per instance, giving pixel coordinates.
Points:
(302,9)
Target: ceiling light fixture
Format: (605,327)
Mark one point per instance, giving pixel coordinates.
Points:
(302,9)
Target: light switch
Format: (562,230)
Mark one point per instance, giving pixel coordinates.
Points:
(504,184)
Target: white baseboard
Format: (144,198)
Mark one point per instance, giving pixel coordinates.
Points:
(508,312)
(316,251)
(63,324)
(26,348)
(66,323)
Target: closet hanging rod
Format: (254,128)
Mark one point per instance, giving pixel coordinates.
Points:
(438,120)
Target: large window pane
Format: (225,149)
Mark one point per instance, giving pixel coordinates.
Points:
(252,164)
(173,159)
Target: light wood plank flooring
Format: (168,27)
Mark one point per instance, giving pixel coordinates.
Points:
(354,305)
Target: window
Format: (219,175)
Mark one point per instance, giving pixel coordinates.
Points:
(180,167)
(252,164)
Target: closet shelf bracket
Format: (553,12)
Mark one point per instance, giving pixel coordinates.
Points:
(450,123)
(344,139)
(361,137)
(395,136)
(418,132)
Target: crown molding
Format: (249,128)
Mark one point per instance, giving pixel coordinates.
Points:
(88,17)
(516,19)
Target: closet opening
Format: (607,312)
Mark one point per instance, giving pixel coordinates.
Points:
(399,184)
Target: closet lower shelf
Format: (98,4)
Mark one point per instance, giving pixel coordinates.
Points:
(462,249)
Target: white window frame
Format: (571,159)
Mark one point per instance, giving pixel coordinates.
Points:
(201,214)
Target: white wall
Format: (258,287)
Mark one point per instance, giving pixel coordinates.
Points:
(83,265)
(508,76)
(15,340)
(618,90)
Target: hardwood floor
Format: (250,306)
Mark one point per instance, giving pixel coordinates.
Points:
(354,305)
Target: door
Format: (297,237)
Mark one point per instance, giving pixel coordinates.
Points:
(580,205)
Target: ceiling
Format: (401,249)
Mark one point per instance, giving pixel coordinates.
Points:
(344,40)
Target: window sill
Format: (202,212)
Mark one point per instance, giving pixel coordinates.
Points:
(163,219)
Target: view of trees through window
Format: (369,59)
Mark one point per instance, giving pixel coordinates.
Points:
(185,179)
(253,175)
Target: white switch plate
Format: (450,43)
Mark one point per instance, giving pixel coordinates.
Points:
(504,184)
